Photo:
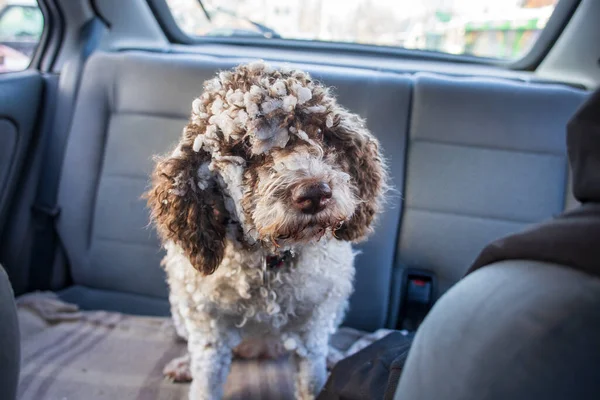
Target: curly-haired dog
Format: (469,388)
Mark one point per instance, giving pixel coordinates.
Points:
(257,206)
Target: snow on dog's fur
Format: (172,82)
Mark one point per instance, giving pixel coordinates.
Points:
(269,165)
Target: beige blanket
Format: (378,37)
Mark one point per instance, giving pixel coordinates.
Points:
(68,354)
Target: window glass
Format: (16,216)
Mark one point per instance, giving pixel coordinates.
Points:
(505,29)
(21,25)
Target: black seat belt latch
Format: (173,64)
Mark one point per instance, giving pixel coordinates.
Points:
(419,292)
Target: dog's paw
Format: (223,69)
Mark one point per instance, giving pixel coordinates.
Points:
(178,369)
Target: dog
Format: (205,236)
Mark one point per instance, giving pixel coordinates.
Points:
(257,207)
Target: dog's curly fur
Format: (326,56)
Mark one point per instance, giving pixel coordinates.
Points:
(222,202)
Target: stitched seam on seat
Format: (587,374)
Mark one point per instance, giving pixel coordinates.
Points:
(119,175)
(117,292)
(155,114)
(491,148)
(474,216)
(126,242)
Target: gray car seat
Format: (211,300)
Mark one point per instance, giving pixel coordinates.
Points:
(512,330)
(524,323)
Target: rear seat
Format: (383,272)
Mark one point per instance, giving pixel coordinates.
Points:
(474,159)
(134,105)
(485,158)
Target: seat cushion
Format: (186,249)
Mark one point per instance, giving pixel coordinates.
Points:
(72,353)
(69,354)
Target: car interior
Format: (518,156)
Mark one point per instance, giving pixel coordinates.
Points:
(475,146)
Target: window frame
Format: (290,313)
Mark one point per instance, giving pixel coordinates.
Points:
(560,17)
(47,46)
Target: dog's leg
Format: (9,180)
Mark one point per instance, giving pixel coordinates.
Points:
(211,354)
(178,320)
(312,346)
(310,357)
(178,369)
(311,374)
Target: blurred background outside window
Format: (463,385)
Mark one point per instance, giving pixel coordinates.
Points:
(503,29)
(21,26)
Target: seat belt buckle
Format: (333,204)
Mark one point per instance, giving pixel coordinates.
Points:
(419,292)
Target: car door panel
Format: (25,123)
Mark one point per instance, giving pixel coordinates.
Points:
(20,96)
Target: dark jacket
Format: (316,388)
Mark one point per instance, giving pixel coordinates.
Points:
(371,374)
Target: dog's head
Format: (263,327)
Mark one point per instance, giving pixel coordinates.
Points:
(269,158)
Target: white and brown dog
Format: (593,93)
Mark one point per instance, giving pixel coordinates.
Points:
(257,208)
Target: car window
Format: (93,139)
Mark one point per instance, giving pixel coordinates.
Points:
(21,26)
(503,29)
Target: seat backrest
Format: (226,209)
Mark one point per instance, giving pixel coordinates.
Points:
(483,157)
(486,158)
(133,105)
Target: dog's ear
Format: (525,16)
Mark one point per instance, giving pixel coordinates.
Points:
(187,205)
(359,156)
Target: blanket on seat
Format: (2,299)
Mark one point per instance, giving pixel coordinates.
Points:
(72,354)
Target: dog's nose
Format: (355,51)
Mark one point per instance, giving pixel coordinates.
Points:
(312,198)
